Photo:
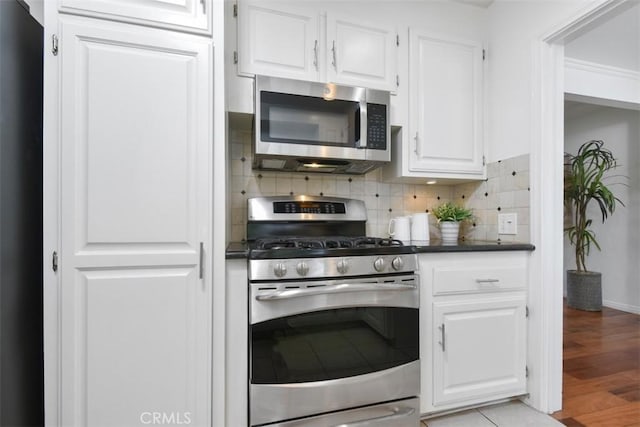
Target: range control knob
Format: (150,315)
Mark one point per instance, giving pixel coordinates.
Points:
(302,268)
(378,264)
(397,263)
(279,269)
(343,266)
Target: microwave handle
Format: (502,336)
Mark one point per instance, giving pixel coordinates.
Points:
(362,142)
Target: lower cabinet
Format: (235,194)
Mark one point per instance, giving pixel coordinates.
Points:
(478,348)
(474,328)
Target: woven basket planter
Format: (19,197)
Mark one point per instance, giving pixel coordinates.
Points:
(584,290)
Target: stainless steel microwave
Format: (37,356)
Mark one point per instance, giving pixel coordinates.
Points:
(320,127)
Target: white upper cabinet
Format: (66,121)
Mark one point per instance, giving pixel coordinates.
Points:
(444,136)
(185,15)
(361,54)
(134,298)
(294,40)
(445,105)
(278,40)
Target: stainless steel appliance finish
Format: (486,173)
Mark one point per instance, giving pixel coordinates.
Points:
(401,413)
(333,320)
(316,127)
(262,209)
(333,395)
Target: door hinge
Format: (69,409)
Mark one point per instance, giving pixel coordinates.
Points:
(526,372)
(397,39)
(484,161)
(235,10)
(484,54)
(526,311)
(235,56)
(54,261)
(397,80)
(54,45)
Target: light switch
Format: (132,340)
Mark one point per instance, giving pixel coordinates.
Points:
(508,223)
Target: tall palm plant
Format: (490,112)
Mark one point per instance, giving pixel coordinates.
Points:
(585,184)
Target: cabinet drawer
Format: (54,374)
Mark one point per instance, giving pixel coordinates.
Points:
(450,279)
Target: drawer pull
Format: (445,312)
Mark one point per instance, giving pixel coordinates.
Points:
(442,342)
(485,281)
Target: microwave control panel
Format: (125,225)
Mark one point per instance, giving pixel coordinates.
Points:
(377,126)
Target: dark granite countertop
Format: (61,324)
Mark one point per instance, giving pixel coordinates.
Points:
(240,250)
(474,246)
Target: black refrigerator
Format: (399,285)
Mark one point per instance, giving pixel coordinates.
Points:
(21,350)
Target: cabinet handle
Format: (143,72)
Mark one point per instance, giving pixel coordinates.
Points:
(415,149)
(333,51)
(204,6)
(315,54)
(201,261)
(442,342)
(488,283)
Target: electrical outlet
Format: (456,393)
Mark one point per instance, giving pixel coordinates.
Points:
(508,223)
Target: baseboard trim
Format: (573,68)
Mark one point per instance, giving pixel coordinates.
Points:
(622,307)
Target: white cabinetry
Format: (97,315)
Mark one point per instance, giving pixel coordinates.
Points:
(361,53)
(285,39)
(445,135)
(133,295)
(473,318)
(185,15)
(278,40)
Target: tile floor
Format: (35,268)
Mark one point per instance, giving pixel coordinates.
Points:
(510,414)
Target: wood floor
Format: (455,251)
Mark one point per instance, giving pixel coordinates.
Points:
(601,381)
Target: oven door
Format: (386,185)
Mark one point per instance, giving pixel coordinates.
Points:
(323,346)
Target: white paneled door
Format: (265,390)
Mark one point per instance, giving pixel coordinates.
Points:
(134,303)
(479,348)
(361,54)
(278,39)
(445,122)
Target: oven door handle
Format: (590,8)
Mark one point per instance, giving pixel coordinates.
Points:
(397,413)
(333,289)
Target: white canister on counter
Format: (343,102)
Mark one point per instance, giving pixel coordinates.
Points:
(400,229)
(420,228)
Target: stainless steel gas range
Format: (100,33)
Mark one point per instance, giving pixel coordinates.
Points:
(333,317)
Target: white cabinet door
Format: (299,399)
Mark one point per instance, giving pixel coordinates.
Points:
(186,15)
(135,307)
(479,348)
(445,121)
(278,40)
(361,54)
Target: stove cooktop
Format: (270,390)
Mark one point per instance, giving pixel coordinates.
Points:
(310,247)
(325,242)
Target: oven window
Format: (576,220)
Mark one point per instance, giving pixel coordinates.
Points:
(298,119)
(333,344)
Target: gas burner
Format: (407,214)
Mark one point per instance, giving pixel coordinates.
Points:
(290,243)
(339,242)
(375,242)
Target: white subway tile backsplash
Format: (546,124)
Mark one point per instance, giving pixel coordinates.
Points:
(386,200)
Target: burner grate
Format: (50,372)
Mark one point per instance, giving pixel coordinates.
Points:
(325,243)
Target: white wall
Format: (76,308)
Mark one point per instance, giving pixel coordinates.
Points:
(615,42)
(514,26)
(619,237)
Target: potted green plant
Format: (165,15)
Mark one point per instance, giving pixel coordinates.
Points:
(449,216)
(585,177)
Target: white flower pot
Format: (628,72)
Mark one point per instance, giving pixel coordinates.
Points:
(449,231)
